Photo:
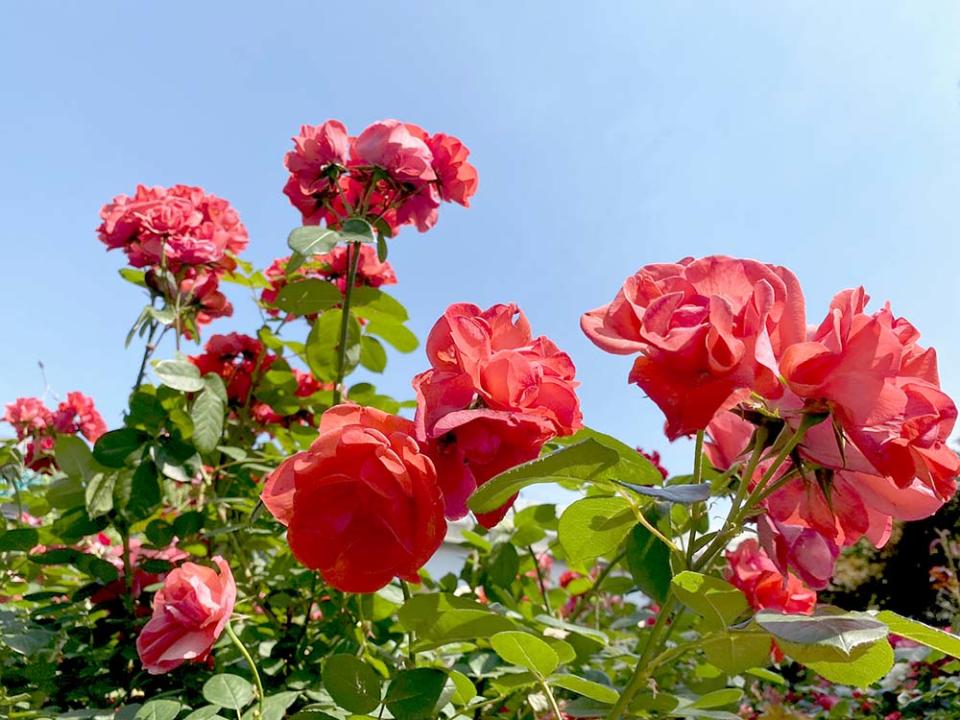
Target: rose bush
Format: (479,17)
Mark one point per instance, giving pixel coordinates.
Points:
(261,537)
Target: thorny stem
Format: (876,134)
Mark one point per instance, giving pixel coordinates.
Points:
(695,511)
(147,352)
(353,255)
(253,667)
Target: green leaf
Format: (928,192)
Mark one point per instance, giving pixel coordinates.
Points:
(352,684)
(74,457)
(649,562)
(324,340)
(65,492)
(594,526)
(734,652)
(145,493)
(19,539)
(683,494)
(860,671)
(587,688)
(398,335)
(584,461)
(99,494)
(207,414)
(188,523)
(374,304)
(372,355)
(525,650)
(228,691)
(919,632)
(719,602)
(132,275)
(312,240)
(465,689)
(827,635)
(309,296)
(503,565)
(159,710)
(159,532)
(274,706)
(113,448)
(717,698)
(179,375)
(207,712)
(381,247)
(416,694)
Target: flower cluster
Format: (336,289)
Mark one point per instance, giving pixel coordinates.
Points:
(37,425)
(331,267)
(493,397)
(391,174)
(722,346)
(367,502)
(185,239)
(242,361)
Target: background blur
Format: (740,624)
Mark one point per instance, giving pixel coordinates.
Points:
(827,140)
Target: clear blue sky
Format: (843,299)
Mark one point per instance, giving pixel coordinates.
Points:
(825,137)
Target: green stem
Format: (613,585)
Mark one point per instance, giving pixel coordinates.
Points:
(411,653)
(540,582)
(147,352)
(353,259)
(695,510)
(584,599)
(641,671)
(550,698)
(127,570)
(253,667)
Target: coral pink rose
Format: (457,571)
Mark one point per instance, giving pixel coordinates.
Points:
(317,147)
(882,389)
(189,613)
(78,414)
(493,397)
(803,549)
(456,177)
(390,145)
(709,332)
(766,588)
(362,505)
(28,415)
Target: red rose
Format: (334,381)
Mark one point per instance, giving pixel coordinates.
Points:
(456,177)
(317,147)
(240,360)
(708,331)
(362,505)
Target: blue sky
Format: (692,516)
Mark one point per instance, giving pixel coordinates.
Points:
(822,137)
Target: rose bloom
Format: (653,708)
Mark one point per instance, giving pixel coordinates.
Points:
(493,397)
(176,226)
(28,416)
(708,332)
(189,614)
(362,505)
(240,360)
(196,288)
(331,267)
(316,149)
(390,145)
(77,414)
(753,573)
(882,388)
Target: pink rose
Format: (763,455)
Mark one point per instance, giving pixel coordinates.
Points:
(456,177)
(189,613)
(390,145)
(766,588)
(317,147)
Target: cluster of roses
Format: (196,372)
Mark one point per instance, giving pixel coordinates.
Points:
(241,361)
(185,238)
(330,267)
(37,426)
(723,347)
(369,500)
(393,173)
